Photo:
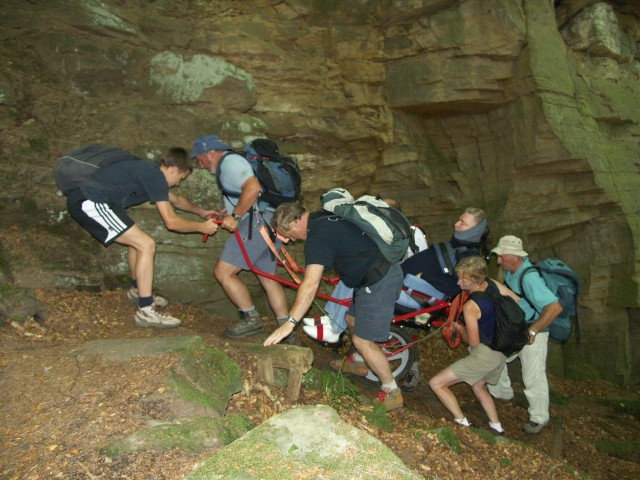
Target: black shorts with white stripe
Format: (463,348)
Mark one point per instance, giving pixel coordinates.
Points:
(104,221)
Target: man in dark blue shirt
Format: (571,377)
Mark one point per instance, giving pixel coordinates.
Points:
(338,244)
(100,208)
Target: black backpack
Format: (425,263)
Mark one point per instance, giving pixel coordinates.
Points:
(279,175)
(511,332)
(75,169)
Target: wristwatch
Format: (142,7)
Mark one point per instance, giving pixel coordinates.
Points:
(236,217)
(532,333)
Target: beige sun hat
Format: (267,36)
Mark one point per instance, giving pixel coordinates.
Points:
(510,245)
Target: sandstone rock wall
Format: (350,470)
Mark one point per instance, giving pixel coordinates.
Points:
(530,113)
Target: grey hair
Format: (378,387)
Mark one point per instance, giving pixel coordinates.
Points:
(287,213)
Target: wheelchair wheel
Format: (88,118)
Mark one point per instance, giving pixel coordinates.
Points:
(401,361)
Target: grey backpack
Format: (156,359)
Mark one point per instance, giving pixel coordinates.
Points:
(385,225)
(76,168)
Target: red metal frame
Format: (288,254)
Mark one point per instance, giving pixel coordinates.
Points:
(437,304)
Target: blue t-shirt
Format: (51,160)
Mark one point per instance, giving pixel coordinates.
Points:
(339,244)
(234,171)
(128,183)
(534,288)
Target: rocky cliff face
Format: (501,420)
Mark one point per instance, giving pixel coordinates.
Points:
(527,111)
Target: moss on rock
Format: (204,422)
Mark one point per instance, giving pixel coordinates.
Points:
(194,436)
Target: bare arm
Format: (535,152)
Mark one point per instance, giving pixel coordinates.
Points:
(304,298)
(248,196)
(470,335)
(178,224)
(184,204)
(547,316)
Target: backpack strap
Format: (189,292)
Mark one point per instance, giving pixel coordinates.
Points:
(227,193)
(269,236)
(447,260)
(520,291)
(486,295)
(412,242)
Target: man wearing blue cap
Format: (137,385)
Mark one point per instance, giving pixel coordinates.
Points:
(247,213)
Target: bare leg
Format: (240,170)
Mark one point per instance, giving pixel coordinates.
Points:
(375,358)
(440,385)
(276,296)
(236,289)
(144,248)
(486,400)
(351,322)
(132,256)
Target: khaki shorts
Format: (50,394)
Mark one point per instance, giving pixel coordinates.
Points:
(481,364)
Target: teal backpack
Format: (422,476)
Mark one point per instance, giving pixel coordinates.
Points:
(565,284)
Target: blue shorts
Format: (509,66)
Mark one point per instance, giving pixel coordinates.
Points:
(373,306)
(257,249)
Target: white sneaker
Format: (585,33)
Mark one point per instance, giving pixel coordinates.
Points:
(157,299)
(311,321)
(322,333)
(150,317)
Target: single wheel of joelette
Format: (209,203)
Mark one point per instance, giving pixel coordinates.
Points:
(399,355)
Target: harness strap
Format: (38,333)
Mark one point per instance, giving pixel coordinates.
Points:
(445,260)
(285,259)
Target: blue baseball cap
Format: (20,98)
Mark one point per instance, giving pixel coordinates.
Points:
(207,143)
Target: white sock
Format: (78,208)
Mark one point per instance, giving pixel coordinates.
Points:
(387,387)
(496,426)
(463,421)
(357,357)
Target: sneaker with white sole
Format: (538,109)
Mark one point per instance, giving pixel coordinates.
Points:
(150,317)
(322,333)
(313,321)
(132,294)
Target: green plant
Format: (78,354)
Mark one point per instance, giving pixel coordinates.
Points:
(378,417)
(338,388)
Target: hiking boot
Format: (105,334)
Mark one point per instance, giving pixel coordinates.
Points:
(533,427)
(150,317)
(250,323)
(391,400)
(312,321)
(132,294)
(410,382)
(349,365)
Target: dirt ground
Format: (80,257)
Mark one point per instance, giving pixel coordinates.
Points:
(57,411)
